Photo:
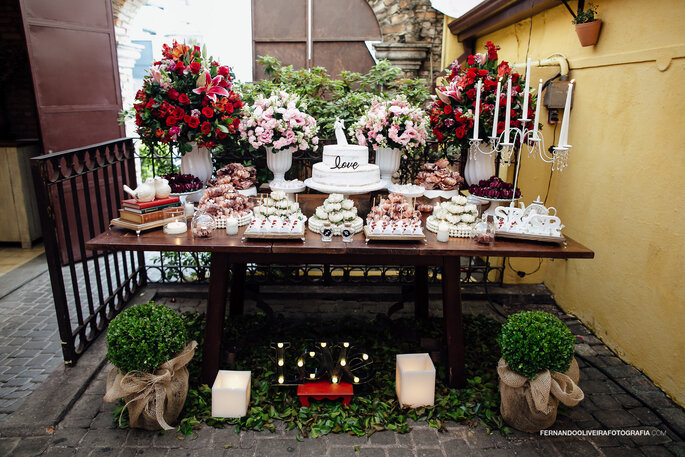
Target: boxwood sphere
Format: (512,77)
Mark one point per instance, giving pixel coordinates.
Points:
(145,336)
(533,341)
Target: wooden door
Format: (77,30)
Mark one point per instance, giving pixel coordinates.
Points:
(309,33)
(72,52)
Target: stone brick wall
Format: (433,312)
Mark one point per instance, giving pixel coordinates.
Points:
(18,115)
(412,21)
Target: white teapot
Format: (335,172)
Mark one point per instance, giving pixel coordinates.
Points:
(145,192)
(162,187)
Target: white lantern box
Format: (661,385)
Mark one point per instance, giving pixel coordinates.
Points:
(415,380)
(231,393)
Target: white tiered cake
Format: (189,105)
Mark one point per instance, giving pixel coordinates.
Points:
(345,169)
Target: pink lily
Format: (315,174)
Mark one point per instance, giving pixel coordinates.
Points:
(211,86)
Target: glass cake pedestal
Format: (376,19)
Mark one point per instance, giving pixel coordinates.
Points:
(345,190)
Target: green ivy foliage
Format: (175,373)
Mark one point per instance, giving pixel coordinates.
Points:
(374,406)
(145,336)
(533,341)
(326,98)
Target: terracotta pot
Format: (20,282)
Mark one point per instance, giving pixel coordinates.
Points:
(588,33)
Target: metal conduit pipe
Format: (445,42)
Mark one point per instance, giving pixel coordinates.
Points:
(553,60)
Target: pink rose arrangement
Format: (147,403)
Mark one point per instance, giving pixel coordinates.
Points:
(392,124)
(279,122)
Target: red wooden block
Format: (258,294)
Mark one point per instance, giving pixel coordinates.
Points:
(325,390)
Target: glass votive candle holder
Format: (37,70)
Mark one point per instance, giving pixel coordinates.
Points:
(203,226)
(231,226)
(175,217)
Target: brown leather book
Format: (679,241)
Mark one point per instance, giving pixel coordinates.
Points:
(141,218)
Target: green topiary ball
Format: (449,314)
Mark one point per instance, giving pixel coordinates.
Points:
(143,337)
(533,341)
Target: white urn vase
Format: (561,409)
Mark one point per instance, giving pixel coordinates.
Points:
(198,162)
(388,160)
(478,165)
(279,162)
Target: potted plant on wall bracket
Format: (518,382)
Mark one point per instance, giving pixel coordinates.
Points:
(588,26)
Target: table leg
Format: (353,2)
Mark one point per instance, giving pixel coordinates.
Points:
(421,291)
(454,325)
(216,312)
(237,298)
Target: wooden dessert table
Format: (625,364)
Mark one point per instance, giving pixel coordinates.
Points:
(232,251)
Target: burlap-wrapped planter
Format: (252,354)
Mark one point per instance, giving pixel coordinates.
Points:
(531,406)
(153,400)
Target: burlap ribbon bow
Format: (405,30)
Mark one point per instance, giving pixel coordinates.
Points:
(560,385)
(152,398)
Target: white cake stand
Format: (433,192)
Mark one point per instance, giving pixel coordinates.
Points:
(345,190)
(418,191)
(440,193)
(249,192)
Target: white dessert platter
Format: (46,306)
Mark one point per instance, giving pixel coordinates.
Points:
(337,211)
(408,190)
(249,192)
(455,231)
(294,186)
(394,231)
(440,193)
(534,222)
(286,229)
(192,196)
(220,221)
(495,203)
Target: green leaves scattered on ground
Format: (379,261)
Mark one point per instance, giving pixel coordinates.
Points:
(374,406)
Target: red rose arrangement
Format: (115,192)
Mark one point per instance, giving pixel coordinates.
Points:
(451,116)
(187,98)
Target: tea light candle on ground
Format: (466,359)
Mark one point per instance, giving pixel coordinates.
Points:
(443,232)
(415,380)
(231,226)
(231,393)
(175,228)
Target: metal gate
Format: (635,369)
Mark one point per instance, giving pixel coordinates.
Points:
(93,287)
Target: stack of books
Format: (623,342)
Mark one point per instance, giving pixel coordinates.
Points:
(143,213)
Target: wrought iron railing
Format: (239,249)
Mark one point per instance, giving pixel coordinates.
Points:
(79,192)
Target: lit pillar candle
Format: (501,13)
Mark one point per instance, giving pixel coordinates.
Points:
(563,136)
(507,118)
(476,117)
(495,120)
(415,380)
(537,110)
(524,111)
(231,393)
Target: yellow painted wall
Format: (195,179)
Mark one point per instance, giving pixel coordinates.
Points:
(622,193)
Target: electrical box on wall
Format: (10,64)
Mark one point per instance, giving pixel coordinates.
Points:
(555,100)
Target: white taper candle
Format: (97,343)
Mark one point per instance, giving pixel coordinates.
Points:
(495,120)
(563,136)
(537,110)
(507,118)
(524,111)
(476,117)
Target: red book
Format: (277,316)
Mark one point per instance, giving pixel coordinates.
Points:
(131,202)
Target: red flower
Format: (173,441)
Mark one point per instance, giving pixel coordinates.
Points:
(179,67)
(223,71)
(179,113)
(183,99)
(195,67)
(206,128)
(228,108)
(220,134)
(171,121)
(173,94)
(460,132)
(192,121)
(208,112)
(483,72)
(438,134)
(500,127)
(448,109)
(515,78)
(471,60)
(159,133)
(471,93)
(236,123)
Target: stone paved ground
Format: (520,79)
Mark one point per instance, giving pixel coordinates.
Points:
(618,398)
(29,341)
